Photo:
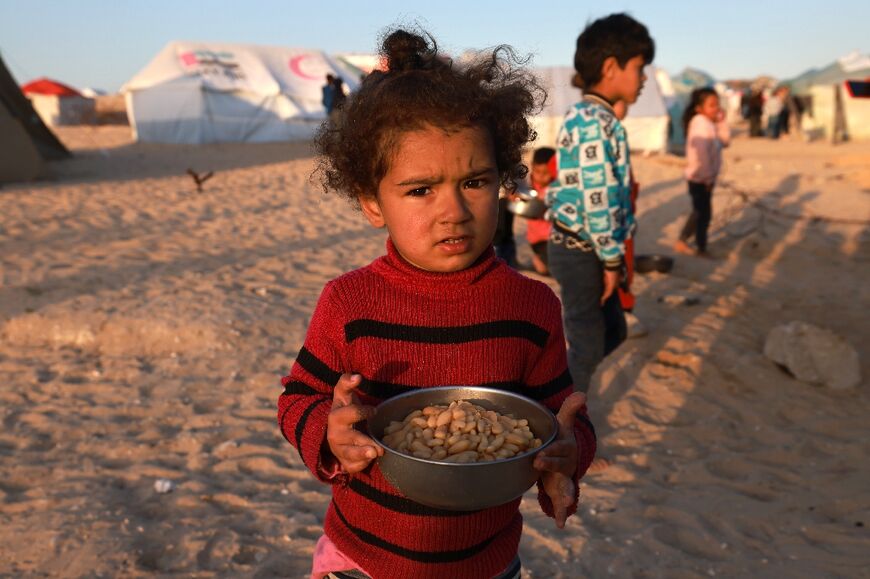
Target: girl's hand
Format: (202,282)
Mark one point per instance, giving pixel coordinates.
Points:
(558,462)
(353,449)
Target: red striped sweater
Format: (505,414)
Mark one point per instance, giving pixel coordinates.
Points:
(403,328)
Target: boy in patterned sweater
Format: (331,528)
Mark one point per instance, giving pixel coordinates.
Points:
(589,201)
(422,149)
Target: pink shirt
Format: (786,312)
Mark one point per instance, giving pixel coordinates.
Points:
(704,143)
(327,558)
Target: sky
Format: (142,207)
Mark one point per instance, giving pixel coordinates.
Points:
(103,43)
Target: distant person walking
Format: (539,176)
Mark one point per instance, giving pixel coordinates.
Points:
(338,99)
(333,97)
(328,98)
(773,109)
(754,112)
(706,134)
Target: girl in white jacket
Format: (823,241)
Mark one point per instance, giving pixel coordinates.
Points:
(706,135)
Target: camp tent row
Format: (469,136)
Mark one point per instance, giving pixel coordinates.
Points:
(25,142)
(211,92)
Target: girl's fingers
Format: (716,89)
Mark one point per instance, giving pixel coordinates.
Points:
(559,448)
(552,464)
(558,457)
(344,390)
(560,489)
(349,415)
(570,408)
(355,438)
(350,453)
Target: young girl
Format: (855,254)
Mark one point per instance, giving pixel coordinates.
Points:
(422,149)
(706,134)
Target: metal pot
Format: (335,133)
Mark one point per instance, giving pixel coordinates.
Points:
(528,207)
(468,486)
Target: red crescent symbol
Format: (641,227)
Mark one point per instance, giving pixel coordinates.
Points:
(297,70)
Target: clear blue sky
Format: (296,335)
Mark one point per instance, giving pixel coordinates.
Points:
(103,43)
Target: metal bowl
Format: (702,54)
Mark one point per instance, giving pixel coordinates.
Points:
(649,263)
(468,486)
(528,207)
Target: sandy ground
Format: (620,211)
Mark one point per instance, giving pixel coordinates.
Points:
(144,327)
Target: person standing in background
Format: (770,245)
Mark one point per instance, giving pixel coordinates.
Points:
(590,206)
(773,109)
(338,98)
(754,111)
(706,134)
(328,98)
(542,173)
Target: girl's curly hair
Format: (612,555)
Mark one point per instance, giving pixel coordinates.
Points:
(421,88)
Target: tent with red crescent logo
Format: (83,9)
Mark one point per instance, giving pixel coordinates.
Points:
(59,104)
(203,92)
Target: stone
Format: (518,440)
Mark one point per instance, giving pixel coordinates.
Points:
(814,355)
(163,486)
(680,299)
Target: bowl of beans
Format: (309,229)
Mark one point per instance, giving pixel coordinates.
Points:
(461,448)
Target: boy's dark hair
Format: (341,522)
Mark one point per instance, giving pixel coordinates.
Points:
(617,35)
(543,155)
(696,99)
(421,88)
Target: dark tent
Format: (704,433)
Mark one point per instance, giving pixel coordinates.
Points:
(25,141)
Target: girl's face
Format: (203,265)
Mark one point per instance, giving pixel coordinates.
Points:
(709,107)
(439,197)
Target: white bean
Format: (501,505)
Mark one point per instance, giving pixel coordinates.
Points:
(460,432)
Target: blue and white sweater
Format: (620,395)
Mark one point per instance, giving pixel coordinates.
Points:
(591,195)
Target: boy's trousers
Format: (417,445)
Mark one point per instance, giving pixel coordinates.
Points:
(580,275)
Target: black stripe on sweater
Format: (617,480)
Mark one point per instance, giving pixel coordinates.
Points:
(385,390)
(401,504)
(548,389)
(422,556)
(299,388)
(317,368)
(446,335)
(284,415)
(300,426)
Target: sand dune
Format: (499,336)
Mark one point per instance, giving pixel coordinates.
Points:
(144,327)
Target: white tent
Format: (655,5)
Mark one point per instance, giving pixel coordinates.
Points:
(556,80)
(838,113)
(647,119)
(646,122)
(211,92)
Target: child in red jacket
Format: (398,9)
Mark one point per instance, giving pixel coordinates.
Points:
(538,230)
(422,149)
